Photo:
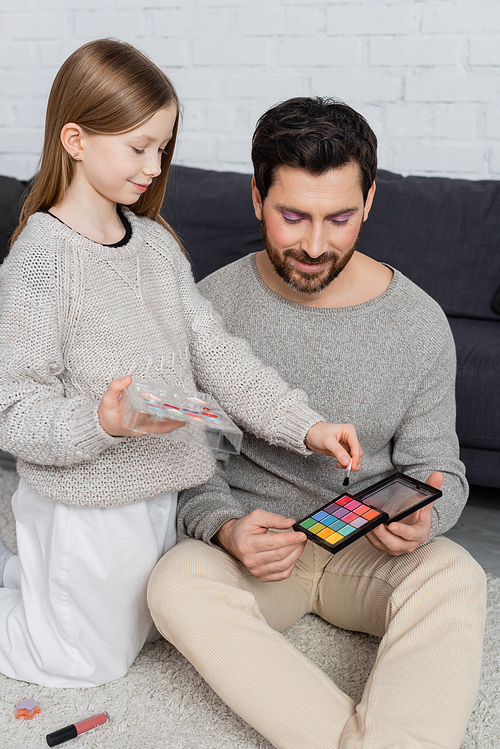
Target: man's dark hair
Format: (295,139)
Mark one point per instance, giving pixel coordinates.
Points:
(316,134)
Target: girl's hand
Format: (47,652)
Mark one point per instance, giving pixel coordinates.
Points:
(338,440)
(110,415)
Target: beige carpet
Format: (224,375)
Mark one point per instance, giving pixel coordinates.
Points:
(162,703)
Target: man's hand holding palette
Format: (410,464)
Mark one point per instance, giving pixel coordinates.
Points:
(350,516)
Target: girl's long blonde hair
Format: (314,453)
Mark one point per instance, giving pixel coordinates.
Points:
(107,87)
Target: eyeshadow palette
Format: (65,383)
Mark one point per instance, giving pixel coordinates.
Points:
(337,524)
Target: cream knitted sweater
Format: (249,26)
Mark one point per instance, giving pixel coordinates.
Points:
(74,315)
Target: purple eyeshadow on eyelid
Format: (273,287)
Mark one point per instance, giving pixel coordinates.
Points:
(342,217)
(291,216)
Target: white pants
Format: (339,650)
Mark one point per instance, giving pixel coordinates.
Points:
(73,608)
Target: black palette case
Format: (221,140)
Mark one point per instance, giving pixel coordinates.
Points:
(350,516)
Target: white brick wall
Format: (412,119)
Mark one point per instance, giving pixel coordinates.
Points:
(426,74)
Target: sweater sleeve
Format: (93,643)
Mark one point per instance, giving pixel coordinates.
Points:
(426,439)
(253,394)
(37,422)
(203,510)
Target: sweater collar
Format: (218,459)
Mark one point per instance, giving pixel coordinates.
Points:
(60,230)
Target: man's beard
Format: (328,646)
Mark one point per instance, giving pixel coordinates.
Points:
(306,283)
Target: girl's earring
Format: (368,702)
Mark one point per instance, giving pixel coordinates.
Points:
(77,156)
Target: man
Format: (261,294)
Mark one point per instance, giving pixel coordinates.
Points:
(370,348)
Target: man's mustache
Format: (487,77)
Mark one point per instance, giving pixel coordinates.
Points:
(303,257)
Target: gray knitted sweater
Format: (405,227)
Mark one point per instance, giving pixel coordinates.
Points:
(387,366)
(74,315)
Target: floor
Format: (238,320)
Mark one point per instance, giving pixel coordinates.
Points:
(478,528)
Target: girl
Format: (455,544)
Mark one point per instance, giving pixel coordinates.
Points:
(91,291)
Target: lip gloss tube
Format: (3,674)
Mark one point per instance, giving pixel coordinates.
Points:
(75,729)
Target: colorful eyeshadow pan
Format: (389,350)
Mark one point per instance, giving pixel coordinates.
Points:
(308,522)
(334,538)
(336,525)
(359,522)
(320,515)
(332,508)
(316,528)
(346,530)
(350,517)
(371,514)
(352,505)
(343,501)
(361,510)
(324,533)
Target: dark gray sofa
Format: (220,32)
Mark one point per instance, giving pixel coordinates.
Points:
(442,233)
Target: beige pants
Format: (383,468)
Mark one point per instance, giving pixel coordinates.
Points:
(428,607)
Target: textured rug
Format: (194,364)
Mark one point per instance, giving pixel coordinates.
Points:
(163,703)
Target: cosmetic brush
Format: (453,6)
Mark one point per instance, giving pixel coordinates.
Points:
(348,473)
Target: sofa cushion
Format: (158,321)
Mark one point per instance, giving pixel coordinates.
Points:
(481,466)
(478,383)
(442,233)
(213,214)
(11,191)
